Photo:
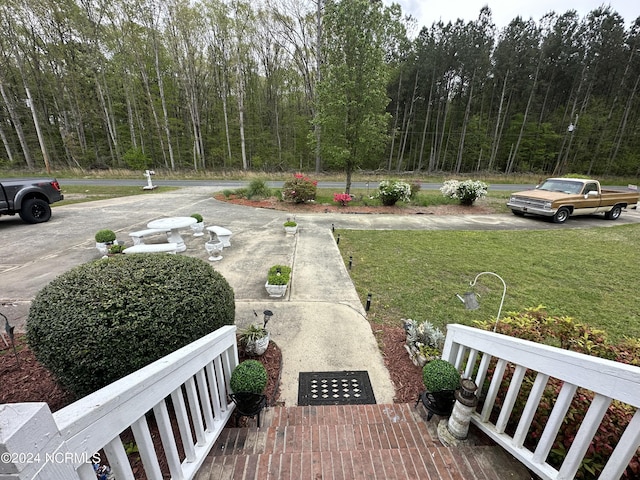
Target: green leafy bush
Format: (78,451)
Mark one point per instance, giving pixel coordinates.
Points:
(439,375)
(300,189)
(392,191)
(258,188)
(536,325)
(249,376)
(105,319)
(105,236)
(198,217)
(279,275)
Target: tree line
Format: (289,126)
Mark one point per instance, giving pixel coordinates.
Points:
(314,85)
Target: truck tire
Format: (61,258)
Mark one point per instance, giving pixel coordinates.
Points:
(35,210)
(518,213)
(561,215)
(614,213)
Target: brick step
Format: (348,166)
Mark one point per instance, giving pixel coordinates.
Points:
(342,414)
(325,438)
(364,441)
(467,463)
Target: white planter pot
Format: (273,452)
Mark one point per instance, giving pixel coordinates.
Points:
(275,290)
(291,230)
(198,229)
(258,347)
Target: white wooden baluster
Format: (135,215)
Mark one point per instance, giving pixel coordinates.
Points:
(471,363)
(563,402)
(168,440)
(510,398)
(496,380)
(183,424)
(205,399)
(583,438)
(624,451)
(530,409)
(196,412)
(213,390)
(145,448)
(118,460)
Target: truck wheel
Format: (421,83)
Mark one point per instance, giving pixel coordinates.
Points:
(518,213)
(561,215)
(614,213)
(35,210)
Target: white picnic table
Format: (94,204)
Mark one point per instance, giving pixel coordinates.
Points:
(173,226)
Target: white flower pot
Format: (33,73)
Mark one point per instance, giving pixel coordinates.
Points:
(291,230)
(198,229)
(259,346)
(275,290)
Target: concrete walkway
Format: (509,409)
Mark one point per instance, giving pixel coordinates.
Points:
(320,325)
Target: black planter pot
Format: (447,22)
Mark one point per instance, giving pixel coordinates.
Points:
(437,403)
(248,405)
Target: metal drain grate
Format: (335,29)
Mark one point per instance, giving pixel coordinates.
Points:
(335,388)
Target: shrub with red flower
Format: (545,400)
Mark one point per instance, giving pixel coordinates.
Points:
(300,189)
(342,198)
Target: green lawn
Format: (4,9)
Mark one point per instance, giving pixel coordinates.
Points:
(590,275)
(87,193)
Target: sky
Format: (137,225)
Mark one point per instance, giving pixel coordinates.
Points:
(503,11)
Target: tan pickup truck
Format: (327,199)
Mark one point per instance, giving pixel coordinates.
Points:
(560,198)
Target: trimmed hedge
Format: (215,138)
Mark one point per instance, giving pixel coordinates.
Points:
(106,319)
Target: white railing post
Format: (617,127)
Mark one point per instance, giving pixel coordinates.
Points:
(31,445)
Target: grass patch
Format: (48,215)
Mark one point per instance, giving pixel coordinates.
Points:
(89,193)
(589,275)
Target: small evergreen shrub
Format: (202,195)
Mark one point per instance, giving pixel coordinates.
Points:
(105,236)
(249,376)
(198,217)
(439,375)
(290,223)
(392,191)
(300,189)
(106,319)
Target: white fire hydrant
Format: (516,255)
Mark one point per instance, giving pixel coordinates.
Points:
(454,431)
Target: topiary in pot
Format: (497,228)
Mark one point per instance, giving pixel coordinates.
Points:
(439,375)
(105,236)
(198,217)
(106,319)
(249,376)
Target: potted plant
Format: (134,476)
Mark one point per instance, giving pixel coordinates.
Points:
(254,340)
(277,280)
(115,249)
(441,380)
(248,382)
(290,227)
(197,227)
(104,239)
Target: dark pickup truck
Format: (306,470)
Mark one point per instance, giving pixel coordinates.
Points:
(30,198)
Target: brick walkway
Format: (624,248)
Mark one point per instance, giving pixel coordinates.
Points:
(369,442)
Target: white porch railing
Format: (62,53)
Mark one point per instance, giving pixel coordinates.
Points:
(471,351)
(34,444)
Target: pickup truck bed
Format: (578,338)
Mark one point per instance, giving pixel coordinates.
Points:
(30,198)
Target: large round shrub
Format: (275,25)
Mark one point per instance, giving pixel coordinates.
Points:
(105,319)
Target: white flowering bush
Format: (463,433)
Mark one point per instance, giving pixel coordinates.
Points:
(392,191)
(467,192)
